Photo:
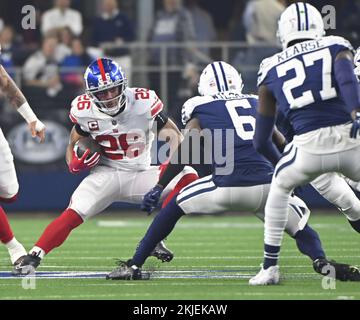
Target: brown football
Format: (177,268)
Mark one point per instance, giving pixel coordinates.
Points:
(86,143)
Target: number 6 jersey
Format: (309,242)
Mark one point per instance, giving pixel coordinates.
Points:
(303,82)
(126,138)
(227,121)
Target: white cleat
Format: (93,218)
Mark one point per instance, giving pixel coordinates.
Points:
(270,276)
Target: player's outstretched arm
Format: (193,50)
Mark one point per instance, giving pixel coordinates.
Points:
(74,137)
(346,80)
(348,87)
(151,199)
(265,121)
(18,101)
(175,166)
(172,135)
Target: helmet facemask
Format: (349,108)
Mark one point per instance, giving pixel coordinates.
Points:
(109,98)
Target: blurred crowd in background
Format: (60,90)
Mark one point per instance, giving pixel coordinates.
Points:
(166,55)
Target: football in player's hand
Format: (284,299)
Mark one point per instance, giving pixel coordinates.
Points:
(86,143)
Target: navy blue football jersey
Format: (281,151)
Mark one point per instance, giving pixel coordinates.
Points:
(302,80)
(230,119)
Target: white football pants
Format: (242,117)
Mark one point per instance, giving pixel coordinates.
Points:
(203,196)
(306,158)
(9,185)
(106,185)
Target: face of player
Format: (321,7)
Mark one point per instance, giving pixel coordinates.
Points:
(110,97)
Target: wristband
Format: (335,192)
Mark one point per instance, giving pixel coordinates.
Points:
(27,113)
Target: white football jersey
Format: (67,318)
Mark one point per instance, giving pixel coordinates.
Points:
(126,138)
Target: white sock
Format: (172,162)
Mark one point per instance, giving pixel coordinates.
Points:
(38,251)
(12,244)
(276,215)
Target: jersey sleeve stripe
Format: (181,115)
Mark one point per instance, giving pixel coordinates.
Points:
(157,109)
(102,70)
(73,119)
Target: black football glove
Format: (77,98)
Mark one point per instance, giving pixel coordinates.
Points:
(151,199)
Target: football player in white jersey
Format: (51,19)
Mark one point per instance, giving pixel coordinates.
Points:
(9,186)
(312,83)
(122,120)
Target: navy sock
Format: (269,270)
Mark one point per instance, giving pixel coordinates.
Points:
(355,225)
(271,256)
(159,229)
(308,242)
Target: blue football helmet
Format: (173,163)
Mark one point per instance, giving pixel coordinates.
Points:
(105,85)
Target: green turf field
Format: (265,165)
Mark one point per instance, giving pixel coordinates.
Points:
(214,258)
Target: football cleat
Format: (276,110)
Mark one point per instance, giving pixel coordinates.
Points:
(162,253)
(265,277)
(26,266)
(126,271)
(341,271)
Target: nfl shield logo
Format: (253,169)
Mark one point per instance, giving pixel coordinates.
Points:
(93,125)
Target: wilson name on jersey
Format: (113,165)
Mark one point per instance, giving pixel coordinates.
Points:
(303,82)
(126,138)
(234,114)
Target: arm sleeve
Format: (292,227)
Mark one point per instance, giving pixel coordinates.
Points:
(175,166)
(80,131)
(263,138)
(348,84)
(161,120)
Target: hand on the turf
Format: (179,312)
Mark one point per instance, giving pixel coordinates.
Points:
(151,199)
(79,164)
(355,128)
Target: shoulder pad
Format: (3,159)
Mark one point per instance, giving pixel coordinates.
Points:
(190,105)
(264,68)
(145,101)
(81,107)
(336,40)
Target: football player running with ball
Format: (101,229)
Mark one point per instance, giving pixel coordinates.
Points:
(122,121)
(312,83)
(9,186)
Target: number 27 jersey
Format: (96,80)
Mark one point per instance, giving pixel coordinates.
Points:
(126,138)
(302,80)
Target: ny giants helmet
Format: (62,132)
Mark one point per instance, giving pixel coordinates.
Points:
(218,77)
(105,85)
(300,21)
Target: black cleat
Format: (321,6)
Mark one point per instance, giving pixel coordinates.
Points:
(126,271)
(162,253)
(27,265)
(341,271)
